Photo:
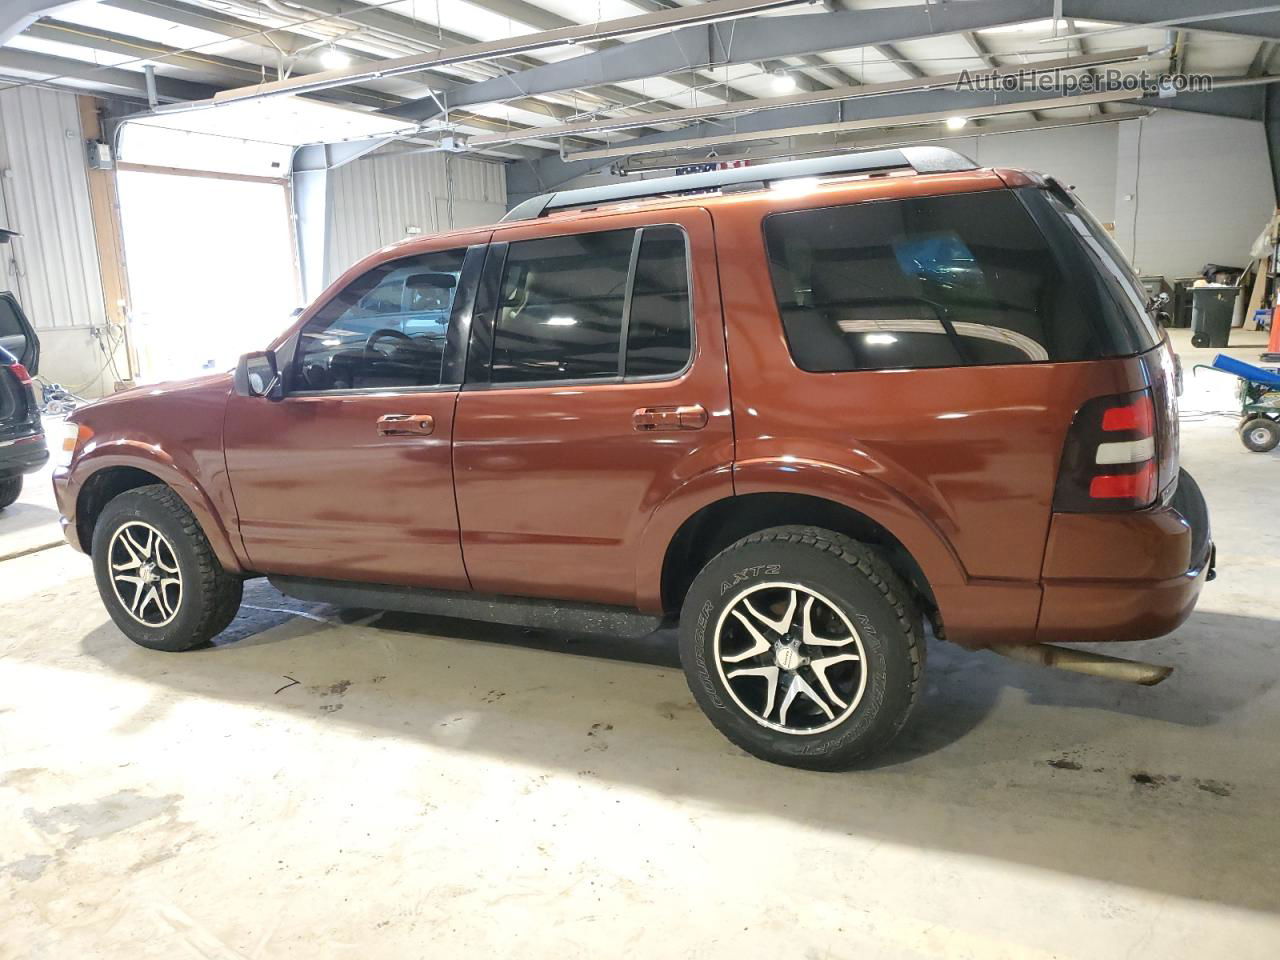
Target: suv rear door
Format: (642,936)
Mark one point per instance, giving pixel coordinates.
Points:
(596,388)
(17,335)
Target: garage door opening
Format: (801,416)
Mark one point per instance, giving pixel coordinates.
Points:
(212,268)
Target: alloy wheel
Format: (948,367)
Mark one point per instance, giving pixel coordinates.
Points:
(790,658)
(145,574)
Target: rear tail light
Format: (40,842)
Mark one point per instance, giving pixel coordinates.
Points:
(21,373)
(1109,460)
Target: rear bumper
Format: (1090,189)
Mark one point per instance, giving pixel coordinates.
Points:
(1126,577)
(23,455)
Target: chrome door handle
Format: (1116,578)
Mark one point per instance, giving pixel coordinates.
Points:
(406,425)
(689,416)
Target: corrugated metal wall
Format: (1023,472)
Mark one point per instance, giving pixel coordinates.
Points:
(44,194)
(379,199)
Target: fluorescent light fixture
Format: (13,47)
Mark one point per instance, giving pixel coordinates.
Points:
(561,322)
(782,82)
(795,185)
(880,339)
(957,123)
(331,58)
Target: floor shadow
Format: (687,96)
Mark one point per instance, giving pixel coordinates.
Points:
(1004,760)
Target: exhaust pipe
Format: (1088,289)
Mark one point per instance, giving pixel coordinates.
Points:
(1085,661)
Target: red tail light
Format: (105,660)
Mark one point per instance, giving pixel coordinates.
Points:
(1109,460)
(21,373)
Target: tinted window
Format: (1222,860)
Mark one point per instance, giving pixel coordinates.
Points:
(560,308)
(1124,299)
(9,325)
(386,329)
(926,282)
(658,340)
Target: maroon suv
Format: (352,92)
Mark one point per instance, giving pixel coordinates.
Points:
(806,407)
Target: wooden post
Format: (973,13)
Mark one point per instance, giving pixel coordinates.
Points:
(105,207)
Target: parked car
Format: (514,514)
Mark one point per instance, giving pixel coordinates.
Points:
(22,443)
(806,414)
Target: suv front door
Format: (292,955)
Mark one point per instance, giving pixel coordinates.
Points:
(596,389)
(348,476)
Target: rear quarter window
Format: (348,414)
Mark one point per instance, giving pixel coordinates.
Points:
(961,280)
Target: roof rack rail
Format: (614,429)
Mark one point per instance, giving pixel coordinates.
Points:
(919,159)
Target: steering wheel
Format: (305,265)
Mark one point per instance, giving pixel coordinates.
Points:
(386,333)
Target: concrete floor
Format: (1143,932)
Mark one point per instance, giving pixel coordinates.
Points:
(394,788)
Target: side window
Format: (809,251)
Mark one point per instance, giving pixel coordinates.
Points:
(926,282)
(658,327)
(560,308)
(386,329)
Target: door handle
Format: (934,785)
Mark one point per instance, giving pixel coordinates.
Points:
(406,425)
(690,416)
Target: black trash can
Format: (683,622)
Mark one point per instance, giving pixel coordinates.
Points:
(1211,310)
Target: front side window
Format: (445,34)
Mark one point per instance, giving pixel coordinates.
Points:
(386,329)
(925,282)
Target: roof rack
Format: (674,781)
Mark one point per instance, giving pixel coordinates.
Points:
(919,159)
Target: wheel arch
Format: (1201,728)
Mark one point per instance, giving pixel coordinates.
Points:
(111,475)
(716,525)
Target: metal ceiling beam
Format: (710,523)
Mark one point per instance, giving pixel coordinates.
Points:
(128,82)
(17,15)
(748,40)
(847,94)
(283,40)
(1230,98)
(891,53)
(542,19)
(198,67)
(807,146)
(1208,15)
(990,107)
(757,39)
(710,11)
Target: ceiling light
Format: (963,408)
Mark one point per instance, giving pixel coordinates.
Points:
(331,58)
(795,185)
(956,123)
(782,82)
(561,322)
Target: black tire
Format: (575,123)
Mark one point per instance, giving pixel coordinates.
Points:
(860,588)
(208,596)
(10,490)
(1260,434)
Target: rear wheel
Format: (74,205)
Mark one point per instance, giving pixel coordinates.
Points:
(801,646)
(1260,434)
(10,489)
(157,574)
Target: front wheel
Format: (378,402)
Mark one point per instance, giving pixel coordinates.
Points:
(158,576)
(801,646)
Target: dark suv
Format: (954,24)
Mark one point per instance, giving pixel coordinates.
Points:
(808,408)
(22,443)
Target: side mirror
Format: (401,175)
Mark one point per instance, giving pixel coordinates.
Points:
(258,376)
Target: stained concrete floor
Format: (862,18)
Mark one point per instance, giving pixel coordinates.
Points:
(413,787)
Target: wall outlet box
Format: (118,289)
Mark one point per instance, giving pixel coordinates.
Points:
(99,155)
